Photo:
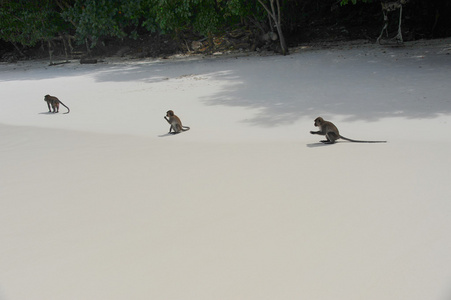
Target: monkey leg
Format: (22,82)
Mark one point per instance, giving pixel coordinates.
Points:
(331,137)
(327,140)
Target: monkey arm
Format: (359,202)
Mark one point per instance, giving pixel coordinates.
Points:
(317,132)
(170,127)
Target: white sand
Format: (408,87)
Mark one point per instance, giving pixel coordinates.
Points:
(101,203)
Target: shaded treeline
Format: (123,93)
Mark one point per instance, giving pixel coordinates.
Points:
(66,24)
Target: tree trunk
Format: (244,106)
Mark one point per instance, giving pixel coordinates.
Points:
(17,48)
(50,52)
(277,20)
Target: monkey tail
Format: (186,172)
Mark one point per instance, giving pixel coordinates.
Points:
(357,141)
(185,128)
(68,110)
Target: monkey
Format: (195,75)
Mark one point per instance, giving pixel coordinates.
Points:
(176,124)
(331,132)
(54,103)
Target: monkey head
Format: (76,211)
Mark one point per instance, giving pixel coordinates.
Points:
(319,121)
(169,113)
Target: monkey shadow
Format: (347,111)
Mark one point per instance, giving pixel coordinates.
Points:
(47,113)
(52,113)
(168,134)
(320,144)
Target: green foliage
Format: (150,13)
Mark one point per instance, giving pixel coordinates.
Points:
(208,18)
(345,2)
(96,18)
(203,16)
(29,21)
(237,9)
(170,15)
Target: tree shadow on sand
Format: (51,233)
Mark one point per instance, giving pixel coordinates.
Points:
(360,84)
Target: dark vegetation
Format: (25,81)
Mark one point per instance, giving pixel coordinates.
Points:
(68,29)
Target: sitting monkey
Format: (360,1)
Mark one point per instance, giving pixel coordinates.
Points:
(174,121)
(331,132)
